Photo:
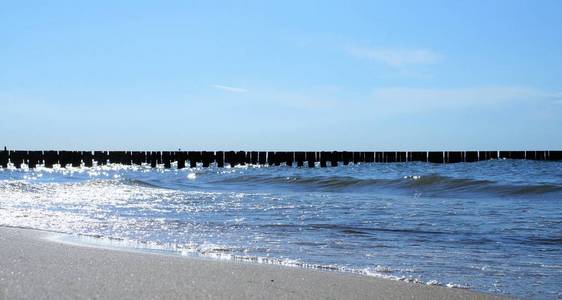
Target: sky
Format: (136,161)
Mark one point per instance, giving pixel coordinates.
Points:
(283,75)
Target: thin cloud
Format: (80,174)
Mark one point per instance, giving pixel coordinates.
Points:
(557,98)
(229,89)
(312,98)
(395,57)
(401,99)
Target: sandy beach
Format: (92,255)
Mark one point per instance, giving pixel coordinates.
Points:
(34,267)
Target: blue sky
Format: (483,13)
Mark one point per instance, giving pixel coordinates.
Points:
(354,75)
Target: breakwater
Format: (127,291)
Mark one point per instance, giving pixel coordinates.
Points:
(184,159)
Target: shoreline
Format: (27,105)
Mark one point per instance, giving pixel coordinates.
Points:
(33,264)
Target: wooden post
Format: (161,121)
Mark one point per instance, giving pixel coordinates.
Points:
(4,158)
(25,157)
(517,155)
(34,158)
(208,158)
(554,155)
(137,157)
(369,157)
(289,158)
(482,155)
(167,159)
(158,157)
(30,160)
(505,154)
(311,159)
(76,159)
(100,157)
(128,157)
(435,157)
(389,157)
(278,157)
(300,157)
(17,157)
(356,157)
(40,157)
(48,159)
(323,159)
(219,156)
(241,158)
(417,156)
(262,158)
(487,155)
(154,159)
(205,159)
(254,157)
(335,157)
(64,158)
(454,156)
(145,157)
(471,156)
(194,157)
(113,157)
(346,157)
(181,157)
(230,158)
(88,159)
(540,155)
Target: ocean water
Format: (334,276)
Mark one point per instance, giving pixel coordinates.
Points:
(492,226)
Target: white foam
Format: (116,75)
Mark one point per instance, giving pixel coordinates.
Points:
(434,282)
(383,269)
(457,286)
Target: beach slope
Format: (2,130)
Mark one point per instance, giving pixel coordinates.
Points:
(32,267)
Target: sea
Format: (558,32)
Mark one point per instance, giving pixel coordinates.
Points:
(491,226)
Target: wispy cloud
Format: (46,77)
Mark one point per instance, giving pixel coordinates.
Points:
(401,99)
(312,98)
(229,89)
(557,98)
(395,57)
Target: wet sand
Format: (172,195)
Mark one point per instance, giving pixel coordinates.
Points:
(34,267)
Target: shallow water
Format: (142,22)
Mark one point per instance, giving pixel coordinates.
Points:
(493,226)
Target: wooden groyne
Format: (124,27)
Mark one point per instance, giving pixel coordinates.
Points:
(192,159)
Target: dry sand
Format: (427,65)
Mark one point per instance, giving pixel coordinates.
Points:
(32,267)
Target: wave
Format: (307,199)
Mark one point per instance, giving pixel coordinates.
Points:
(354,230)
(430,184)
(36,187)
(228,253)
(426,185)
(141,183)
